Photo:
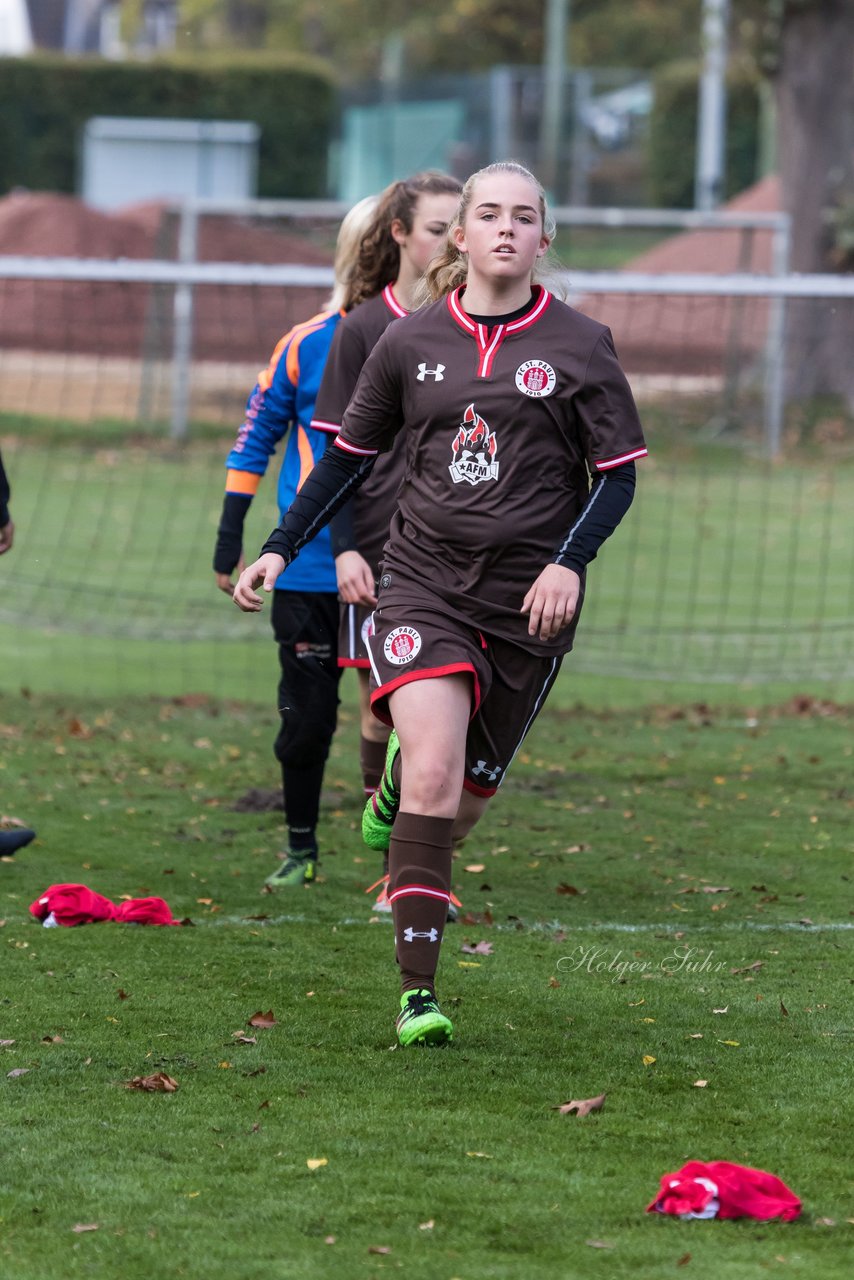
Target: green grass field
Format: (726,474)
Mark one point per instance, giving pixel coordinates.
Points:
(667,896)
(731,580)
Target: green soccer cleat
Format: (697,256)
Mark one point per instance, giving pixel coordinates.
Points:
(381,808)
(421,1021)
(296,870)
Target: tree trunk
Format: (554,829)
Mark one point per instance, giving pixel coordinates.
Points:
(815,122)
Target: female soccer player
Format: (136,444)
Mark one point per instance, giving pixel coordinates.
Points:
(408,230)
(305,603)
(510,402)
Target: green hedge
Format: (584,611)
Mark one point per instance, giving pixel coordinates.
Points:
(673,134)
(45,102)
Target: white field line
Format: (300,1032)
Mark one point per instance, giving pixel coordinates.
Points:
(553,926)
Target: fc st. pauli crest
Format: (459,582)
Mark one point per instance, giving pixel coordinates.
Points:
(474,448)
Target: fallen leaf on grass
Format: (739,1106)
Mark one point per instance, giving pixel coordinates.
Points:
(479,1155)
(750,968)
(379,1248)
(317,1164)
(52,1040)
(700,1084)
(329,1239)
(469,964)
(240,1037)
(582,1108)
(122,994)
(694,1035)
(719,888)
(6,1044)
(648,1060)
(426,1226)
(783,1010)
(263,1020)
(599,1244)
(159,1082)
(725,1009)
(85,1226)
(475,867)
(684,1260)
(479,949)
(825,1222)
(735,1043)
(567,889)
(19,1071)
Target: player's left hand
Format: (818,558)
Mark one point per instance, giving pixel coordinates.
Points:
(552,601)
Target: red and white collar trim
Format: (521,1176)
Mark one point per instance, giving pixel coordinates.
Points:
(392,303)
(490,339)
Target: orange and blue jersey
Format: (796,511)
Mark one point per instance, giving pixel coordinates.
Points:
(280,408)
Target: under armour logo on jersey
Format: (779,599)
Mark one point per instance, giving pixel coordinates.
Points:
(409,935)
(482,769)
(436,374)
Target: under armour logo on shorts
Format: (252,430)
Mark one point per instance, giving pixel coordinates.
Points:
(482,768)
(437,374)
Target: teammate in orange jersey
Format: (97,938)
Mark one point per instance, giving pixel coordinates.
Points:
(305,603)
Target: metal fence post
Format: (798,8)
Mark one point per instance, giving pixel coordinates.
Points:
(182,341)
(775,345)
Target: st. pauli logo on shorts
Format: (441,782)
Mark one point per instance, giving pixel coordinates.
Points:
(474,448)
(402,645)
(536,378)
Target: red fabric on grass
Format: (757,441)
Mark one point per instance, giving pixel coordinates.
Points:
(74,904)
(741,1192)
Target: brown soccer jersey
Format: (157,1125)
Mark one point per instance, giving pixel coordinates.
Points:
(355,339)
(503,427)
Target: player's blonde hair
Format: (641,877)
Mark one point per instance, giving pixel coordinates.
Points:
(353,227)
(379,255)
(449,269)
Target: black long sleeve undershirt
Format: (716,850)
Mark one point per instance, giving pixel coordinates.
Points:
(5,495)
(610,498)
(338,475)
(334,479)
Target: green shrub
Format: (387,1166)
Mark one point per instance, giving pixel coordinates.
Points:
(673,134)
(45,102)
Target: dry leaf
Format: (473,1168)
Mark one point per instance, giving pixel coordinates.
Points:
(6,1044)
(263,1020)
(317,1164)
(159,1082)
(582,1108)
(721,888)
(684,1260)
(379,1248)
(329,1239)
(599,1244)
(695,1035)
(52,1040)
(479,1155)
(725,1009)
(19,1071)
(240,1038)
(85,1226)
(783,1010)
(750,968)
(734,1043)
(700,1084)
(825,1222)
(648,1060)
(479,949)
(553,982)
(569,889)
(469,964)
(426,1226)
(475,867)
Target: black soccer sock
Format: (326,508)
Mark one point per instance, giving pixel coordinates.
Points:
(372,761)
(301,789)
(419,886)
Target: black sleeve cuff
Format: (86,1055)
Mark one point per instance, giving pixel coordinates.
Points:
(229,538)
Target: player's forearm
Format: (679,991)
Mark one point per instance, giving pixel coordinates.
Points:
(229,537)
(333,481)
(609,500)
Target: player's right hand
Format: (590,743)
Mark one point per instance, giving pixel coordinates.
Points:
(355,581)
(265,570)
